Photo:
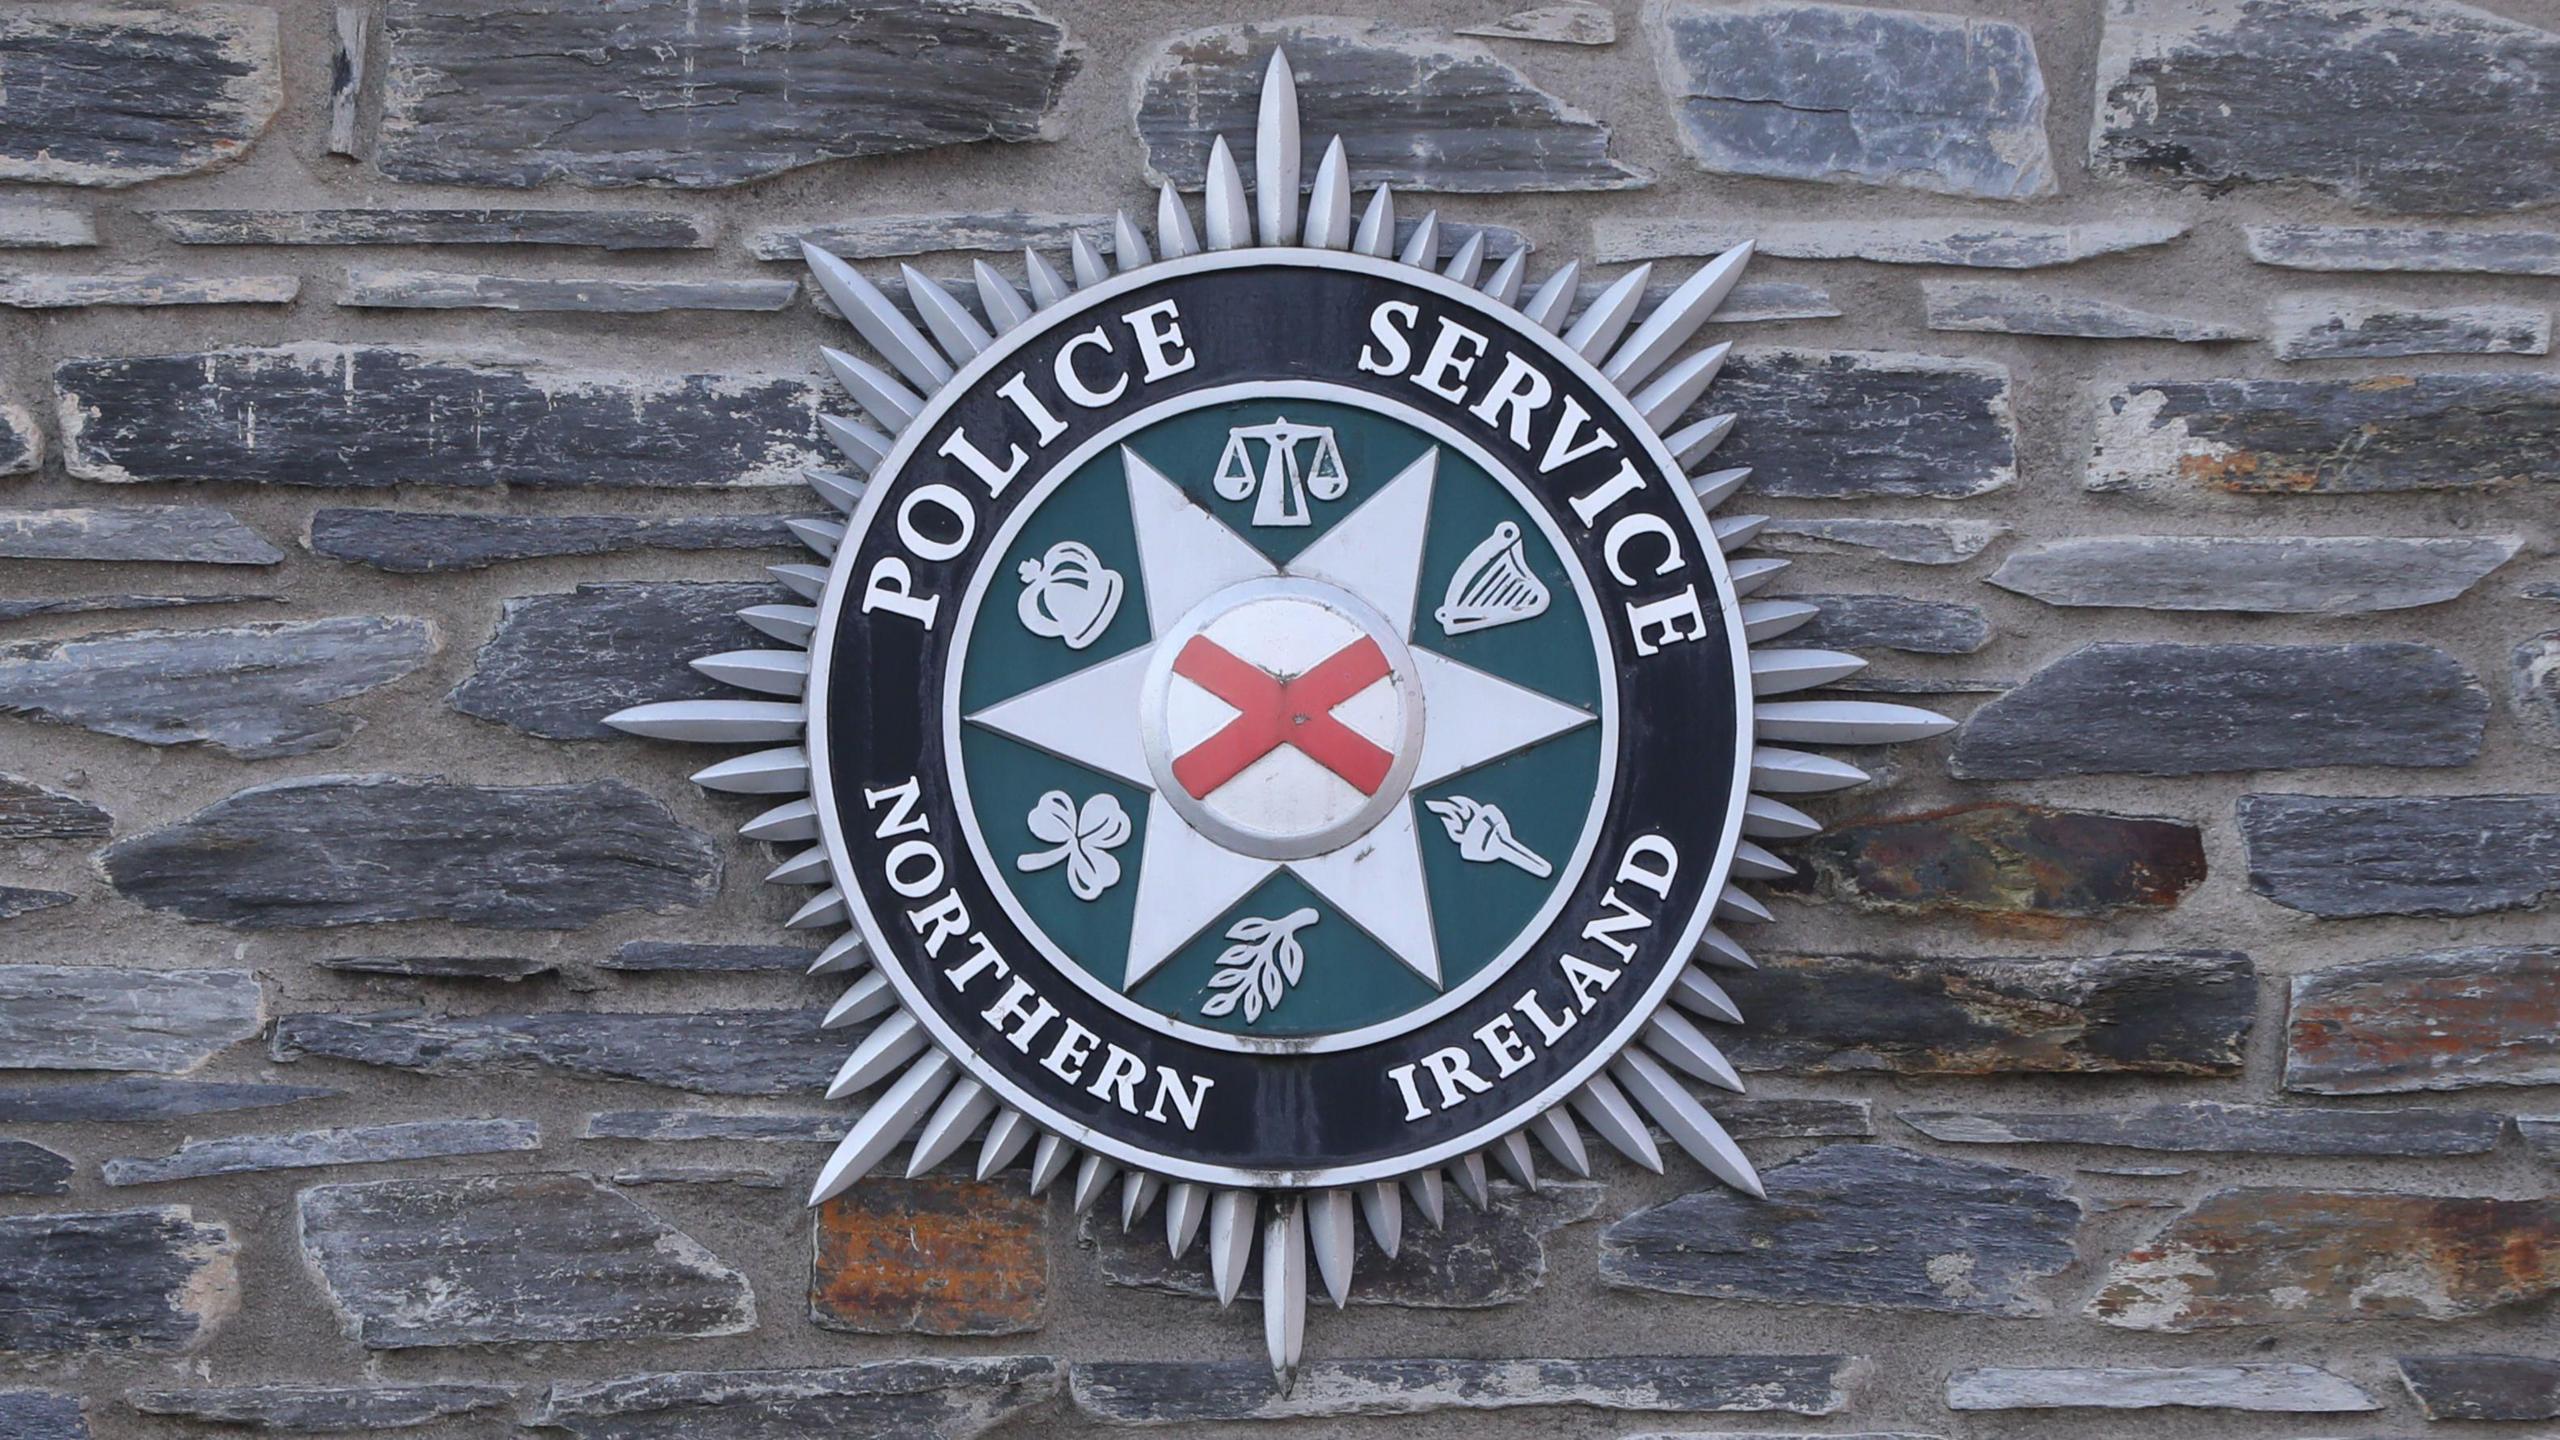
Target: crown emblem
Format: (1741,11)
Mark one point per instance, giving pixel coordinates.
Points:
(1068,594)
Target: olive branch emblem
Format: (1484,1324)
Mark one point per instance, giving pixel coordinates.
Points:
(1258,970)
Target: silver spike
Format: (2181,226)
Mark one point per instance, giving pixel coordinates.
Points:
(874,389)
(825,909)
(770,672)
(1751,862)
(1129,244)
(1680,1043)
(1607,1110)
(1605,319)
(1174,235)
(713,722)
(1226,221)
(1006,1136)
(1186,1204)
(1231,1222)
(792,820)
(1511,1152)
(1800,772)
(862,447)
(1430,1195)
(1086,261)
(1781,672)
(1048,287)
(1464,266)
(1562,1138)
(1284,1289)
(879,322)
(1685,1120)
(1698,993)
(952,1123)
(1329,1236)
(809,582)
(1693,443)
(1717,948)
(1732,532)
(809,867)
(1004,305)
(1737,906)
(1138,1191)
(1467,1172)
(1753,575)
(1547,307)
(843,954)
(1504,284)
(1673,391)
(790,624)
(1094,1175)
(1382,1210)
(1677,318)
(837,489)
(892,1043)
(1422,247)
(954,328)
(1767,819)
(868,998)
(1377,236)
(1717,486)
(1049,1160)
(1329,203)
(1275,155)
(780,771)
(1846,722)
(1769,619)
(883,1125)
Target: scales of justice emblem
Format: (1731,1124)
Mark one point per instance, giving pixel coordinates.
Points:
(1276,735)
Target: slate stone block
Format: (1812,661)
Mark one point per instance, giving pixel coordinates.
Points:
(2483,1387)
(21,443)
(2379,435)
(42,1415)
(2533,687)
(254,691)
(179,534)
(25,226)
(29,811)
(397,225)
(312,1149)
(507,968)
(877,237)
(691,1125)
(558,664)
(1413,109)
(711,1052)
(1893,622)
(365,416)
(110,95)
(2346,856)
(320,1409)
(2005,309)
(1769,1119)
(2541,1136)
(2412,106)
(745,1176)
(1851,424)
(2288,1389)
(1186,1392)
(921,1399)
(2211,1128)
(2271,575)
(495,1259)
(1975,243)
(27,1168)
(1844,93)
(2268,1255)
(144,289)
(2367,247)
(937,1255)
(1868,1227)
(2342,327)
(424,542)
(686,957)
(89,604)
(2118,708)
(105,1017)
(2138,1012)
(366,849)
(135,1100)
(375,288)
(523,92)
(2003,859)
(1913,542)
(2437,1020)
(17,900)
(152,1281)
(347,56)
(1477,1260)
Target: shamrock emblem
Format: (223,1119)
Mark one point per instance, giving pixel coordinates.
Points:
(1083,839)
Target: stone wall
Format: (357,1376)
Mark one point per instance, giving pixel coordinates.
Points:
(393,390)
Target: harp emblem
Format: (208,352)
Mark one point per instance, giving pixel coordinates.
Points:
(1494,586)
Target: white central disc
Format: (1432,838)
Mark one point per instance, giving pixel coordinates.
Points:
(1282,718)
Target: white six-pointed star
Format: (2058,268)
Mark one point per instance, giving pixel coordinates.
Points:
(1323,667)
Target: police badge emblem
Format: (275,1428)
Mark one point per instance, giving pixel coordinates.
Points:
(1279,724)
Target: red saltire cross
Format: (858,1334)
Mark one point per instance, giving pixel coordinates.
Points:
(1296,711)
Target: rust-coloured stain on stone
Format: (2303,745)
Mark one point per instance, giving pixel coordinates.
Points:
(2007,860)
(2444,1021)
(937,1256)
(2269,1256)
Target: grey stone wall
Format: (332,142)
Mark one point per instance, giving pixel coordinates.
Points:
(392,389)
